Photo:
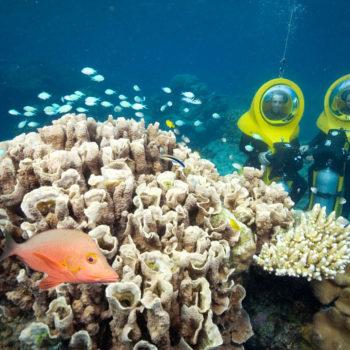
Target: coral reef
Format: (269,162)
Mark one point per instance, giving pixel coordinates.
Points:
(331,328)
(316,247)
(177,237)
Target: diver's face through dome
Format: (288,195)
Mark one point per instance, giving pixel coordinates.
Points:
(337,99)
(347,101)
(276,104)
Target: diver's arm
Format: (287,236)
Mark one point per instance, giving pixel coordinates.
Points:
(251,148)
(303,149)
(265,158)
(308,149)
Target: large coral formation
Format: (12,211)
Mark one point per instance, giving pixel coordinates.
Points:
(316,247)
(331,326)
(177,238)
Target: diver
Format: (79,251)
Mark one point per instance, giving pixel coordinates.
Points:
(329,175)
(269,135)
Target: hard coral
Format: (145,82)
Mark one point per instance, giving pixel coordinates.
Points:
(331,326)
(176,236)
(317,247)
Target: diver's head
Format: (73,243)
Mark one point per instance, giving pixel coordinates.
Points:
(278,99)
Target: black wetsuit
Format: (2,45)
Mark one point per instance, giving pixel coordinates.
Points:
(285,162)
(333,156)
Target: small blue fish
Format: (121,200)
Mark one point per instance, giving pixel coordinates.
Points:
(180,122)
(98,78)
(82,110)
(28,114)
(30,109)
(33,124)
(257,137)
(173,159)
(22,124)
(109,92)
(14,112)
(44,95)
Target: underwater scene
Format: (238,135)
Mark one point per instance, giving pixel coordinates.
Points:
(175,175)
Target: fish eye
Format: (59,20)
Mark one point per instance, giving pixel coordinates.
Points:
(91,258)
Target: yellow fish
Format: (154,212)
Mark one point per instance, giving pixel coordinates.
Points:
(170,124)
(234,224)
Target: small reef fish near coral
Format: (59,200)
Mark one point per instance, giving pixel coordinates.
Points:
(65,255)
(170,124)
(172,159)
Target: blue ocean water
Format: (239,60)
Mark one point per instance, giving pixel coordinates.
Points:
(231,46)
(224,50)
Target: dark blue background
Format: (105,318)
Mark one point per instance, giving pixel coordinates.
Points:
(234,46)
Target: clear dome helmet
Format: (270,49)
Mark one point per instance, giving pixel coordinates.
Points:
(279,104)
(336,112)
(338,100)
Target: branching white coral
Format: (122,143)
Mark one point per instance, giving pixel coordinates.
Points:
(317,247)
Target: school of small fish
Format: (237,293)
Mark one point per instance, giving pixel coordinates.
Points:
(82,102)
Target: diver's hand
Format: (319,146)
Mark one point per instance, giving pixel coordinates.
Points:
(303,149)
(309,158)
(263,158)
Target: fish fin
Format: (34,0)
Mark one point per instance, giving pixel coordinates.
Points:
(10,246)
(49,282)
(48,261)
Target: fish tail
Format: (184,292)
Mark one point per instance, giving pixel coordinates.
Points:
(10,245)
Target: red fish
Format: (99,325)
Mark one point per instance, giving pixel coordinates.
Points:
(65,255)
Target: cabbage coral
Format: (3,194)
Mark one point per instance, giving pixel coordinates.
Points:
(177,237)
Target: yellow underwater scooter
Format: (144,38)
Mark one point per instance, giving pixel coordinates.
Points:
(277,127)
(271,128)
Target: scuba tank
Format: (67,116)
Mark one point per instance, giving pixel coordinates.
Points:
(326,186)
(329,163)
